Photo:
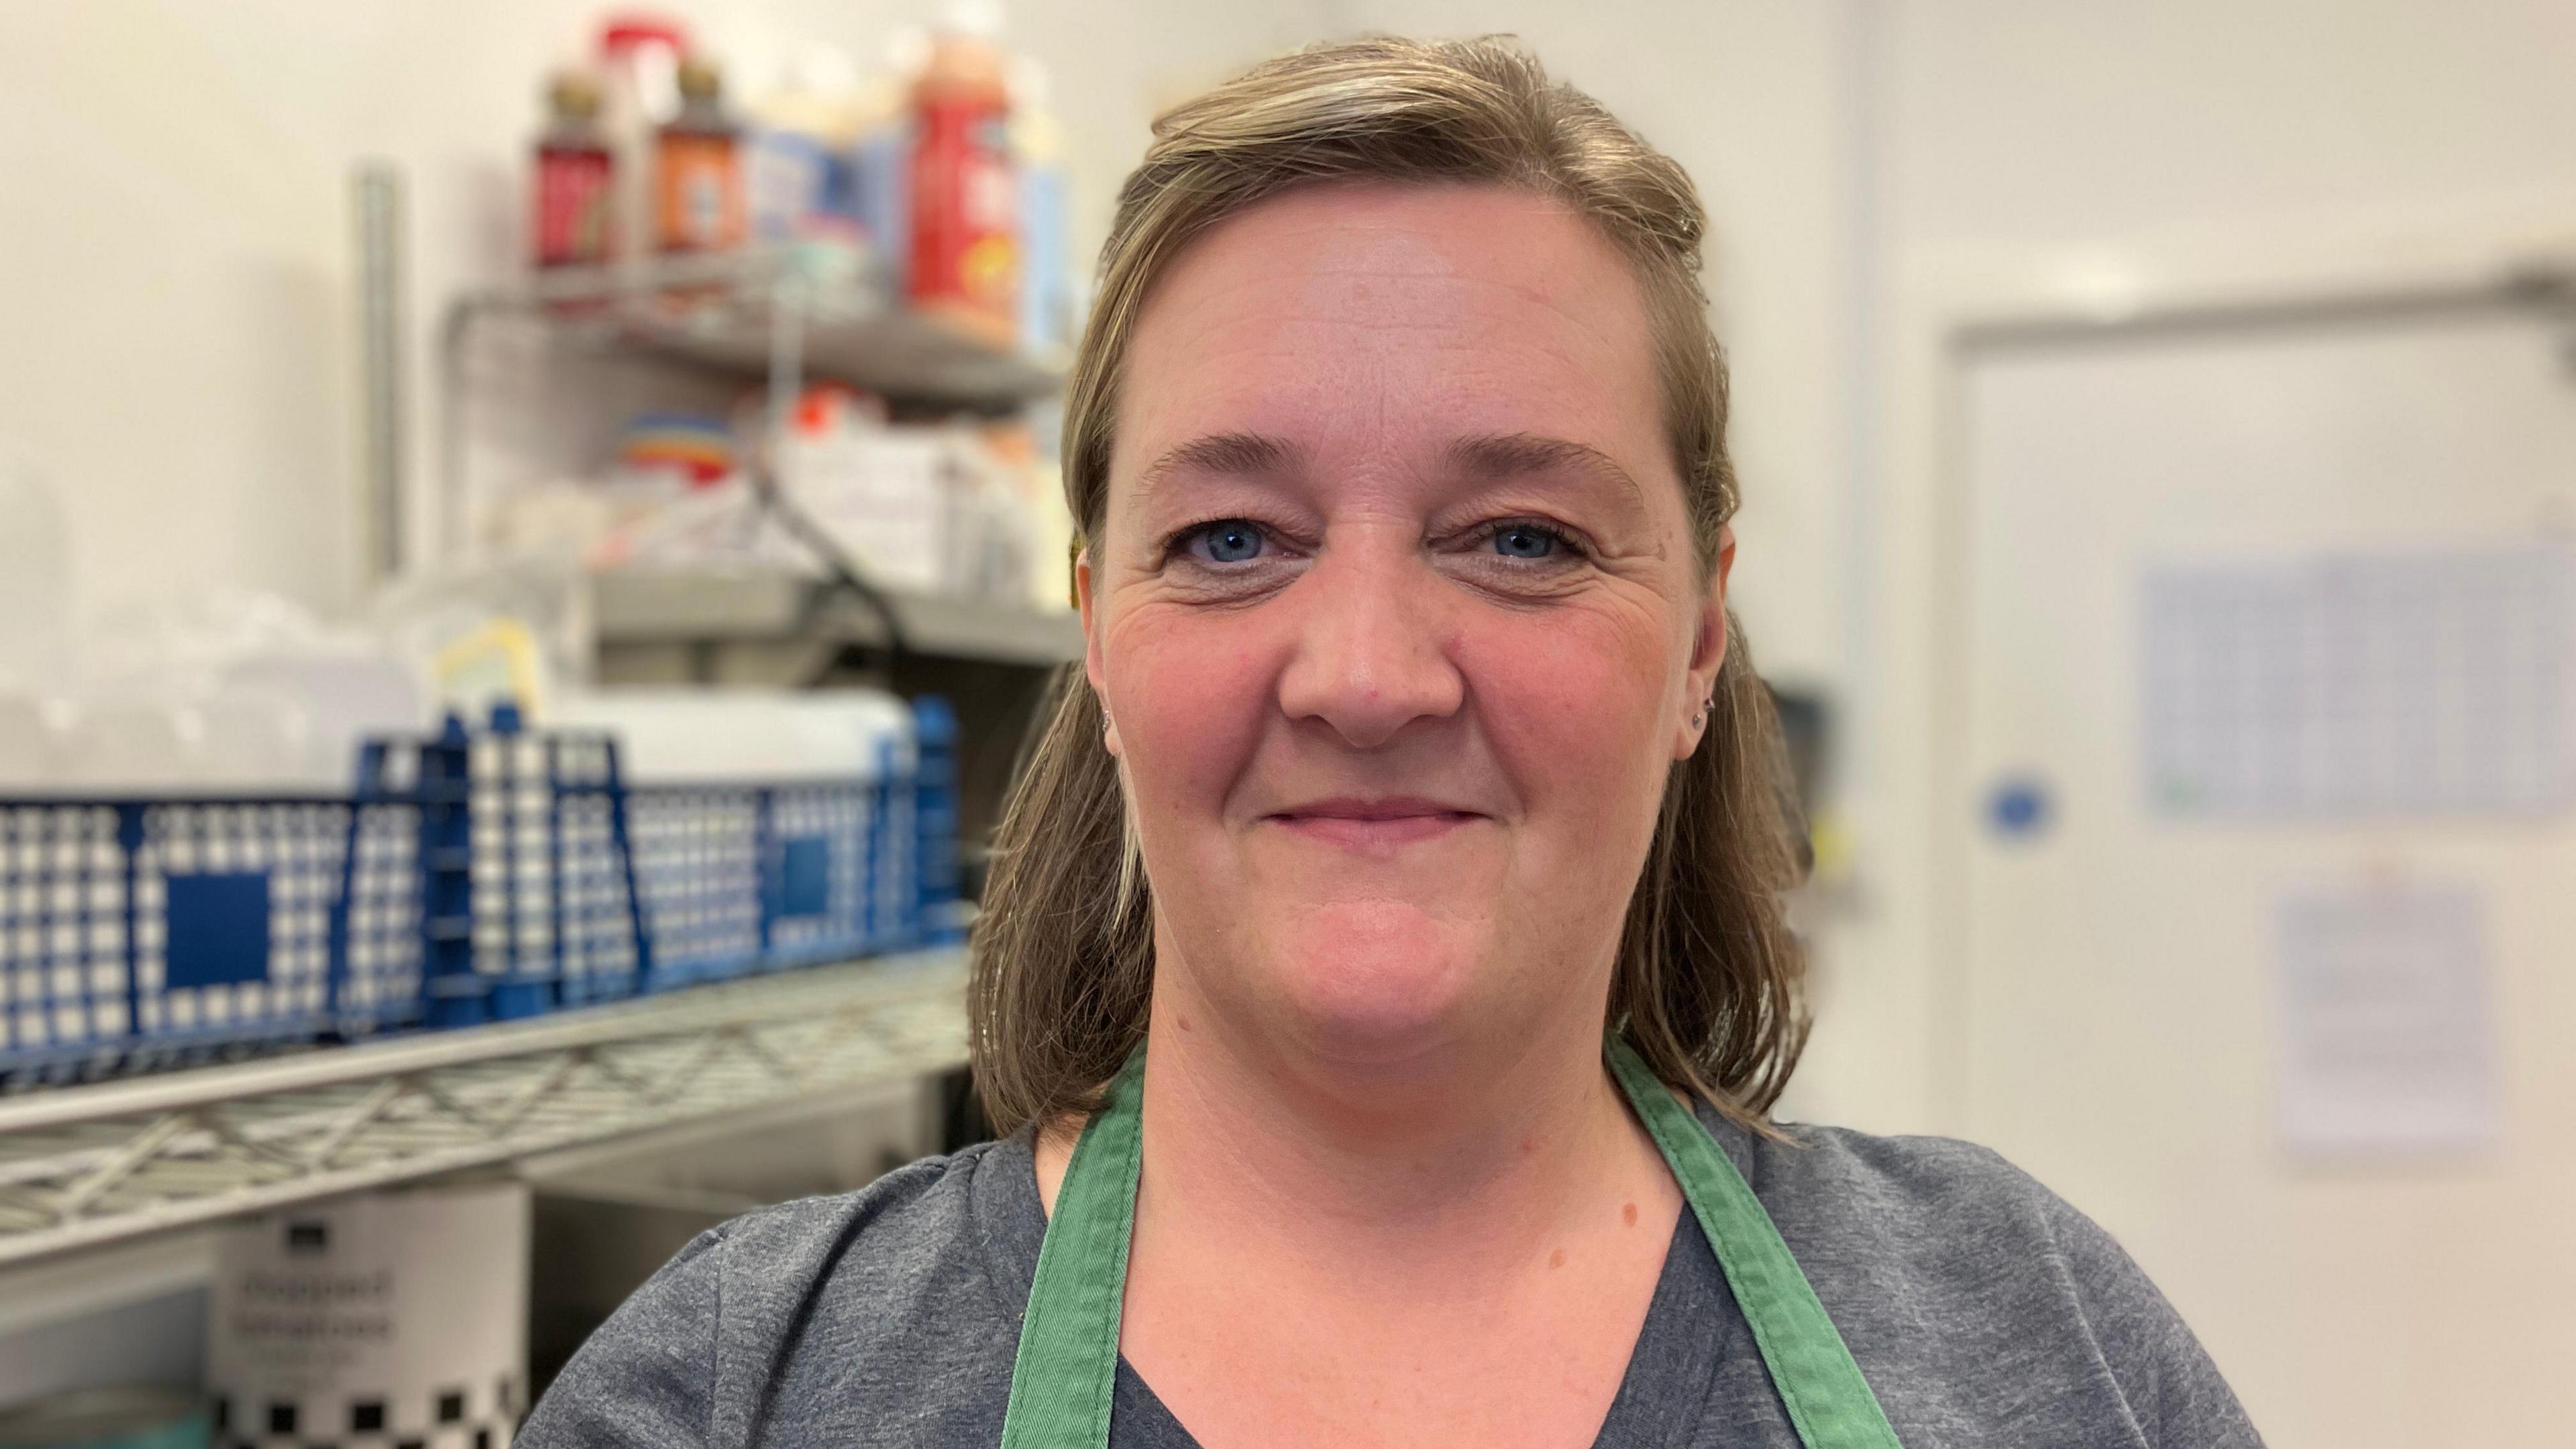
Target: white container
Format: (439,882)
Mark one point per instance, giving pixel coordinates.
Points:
(886,495)
(255,740)
(34,739)
(135,744)
(339,698)
(377,1319)
(639,67)
(689,736)
(35,578)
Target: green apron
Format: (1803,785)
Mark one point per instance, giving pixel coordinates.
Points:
(1068,1362)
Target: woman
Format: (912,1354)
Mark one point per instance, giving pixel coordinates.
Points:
(1413,750)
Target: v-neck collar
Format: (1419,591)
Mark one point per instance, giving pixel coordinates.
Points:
(1690,1326)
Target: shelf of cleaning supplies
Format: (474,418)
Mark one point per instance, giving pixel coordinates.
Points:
(637,606)
(729,313)
(83,1166)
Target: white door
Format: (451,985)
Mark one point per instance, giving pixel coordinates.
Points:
(2118,962)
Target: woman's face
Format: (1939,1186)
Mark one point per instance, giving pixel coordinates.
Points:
(1396,617)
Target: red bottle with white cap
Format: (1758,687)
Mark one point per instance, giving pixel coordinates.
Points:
(965,236)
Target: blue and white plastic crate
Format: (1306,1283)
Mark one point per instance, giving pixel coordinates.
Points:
(472,875)
(163,930)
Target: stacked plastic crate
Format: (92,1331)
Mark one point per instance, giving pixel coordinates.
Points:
(472,875)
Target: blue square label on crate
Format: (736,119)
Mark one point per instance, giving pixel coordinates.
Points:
(805,876)
(218,928)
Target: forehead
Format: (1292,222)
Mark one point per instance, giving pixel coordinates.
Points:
(1384,320)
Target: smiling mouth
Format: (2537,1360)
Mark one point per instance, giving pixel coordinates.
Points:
(1377,823)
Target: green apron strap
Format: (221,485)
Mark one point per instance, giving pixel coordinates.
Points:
(1829,1403)
(1067,1370)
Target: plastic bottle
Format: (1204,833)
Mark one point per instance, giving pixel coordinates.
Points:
(639,60)
(699,167)
(797,168)
(574,213)
(965,245)
(1045,215)
(880,177)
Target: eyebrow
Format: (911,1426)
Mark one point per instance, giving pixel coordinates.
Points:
(1506,455)
(1488,455)
(1242,454)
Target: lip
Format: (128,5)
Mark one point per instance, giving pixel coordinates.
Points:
(1382,821)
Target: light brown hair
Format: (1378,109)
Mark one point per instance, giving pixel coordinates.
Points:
(1710,982)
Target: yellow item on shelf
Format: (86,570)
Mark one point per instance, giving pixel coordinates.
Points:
(496,660)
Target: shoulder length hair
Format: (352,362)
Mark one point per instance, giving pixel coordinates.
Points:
(1709,984)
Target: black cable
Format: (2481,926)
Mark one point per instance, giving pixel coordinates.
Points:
(841,573)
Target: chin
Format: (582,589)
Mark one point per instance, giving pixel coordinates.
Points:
(1376,981)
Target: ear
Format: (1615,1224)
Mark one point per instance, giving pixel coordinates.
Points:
(1708,651)
(1092,667)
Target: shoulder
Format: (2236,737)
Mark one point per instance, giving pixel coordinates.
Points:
(932,1230)
(877,1304)
(1958,1276)
(1934,1202)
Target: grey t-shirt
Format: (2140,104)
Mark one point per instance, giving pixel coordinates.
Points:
(1983,1310)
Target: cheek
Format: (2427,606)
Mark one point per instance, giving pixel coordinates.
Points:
(1187,692)
(1572,706)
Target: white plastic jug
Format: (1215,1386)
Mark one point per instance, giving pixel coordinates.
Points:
(33,743)
(35,578)
(741,735)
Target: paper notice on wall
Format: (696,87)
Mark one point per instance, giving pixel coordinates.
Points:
(2436,683)
(2387,1037)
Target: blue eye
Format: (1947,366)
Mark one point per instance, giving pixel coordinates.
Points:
(1523,540)
(1229,541)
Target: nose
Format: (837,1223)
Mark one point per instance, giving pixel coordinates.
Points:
(1370,657)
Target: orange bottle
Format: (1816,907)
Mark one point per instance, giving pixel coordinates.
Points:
(698,170)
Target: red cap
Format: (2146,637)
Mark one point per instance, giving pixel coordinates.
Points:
(629,32)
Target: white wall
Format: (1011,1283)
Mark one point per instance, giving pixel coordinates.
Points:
(2037,123)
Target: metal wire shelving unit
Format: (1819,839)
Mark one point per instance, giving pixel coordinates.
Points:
(86,1166)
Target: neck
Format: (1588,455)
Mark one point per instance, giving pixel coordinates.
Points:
(1483,1150)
